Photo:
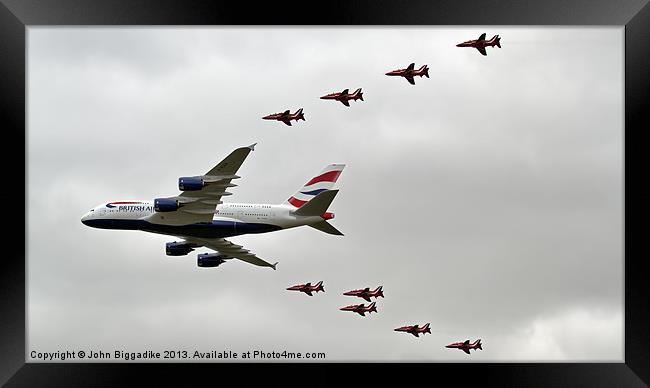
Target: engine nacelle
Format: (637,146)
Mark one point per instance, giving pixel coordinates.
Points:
(191,183)
(208,260)
(178,248)
(165,204)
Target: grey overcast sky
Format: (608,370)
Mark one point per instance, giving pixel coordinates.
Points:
(487,200)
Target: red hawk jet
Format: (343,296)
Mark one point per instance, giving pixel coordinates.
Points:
(308,288)
(466,346)
(344,96)
(286,116)
(480,44)
(415,330)
(410,72)
(366,293)
(360,309)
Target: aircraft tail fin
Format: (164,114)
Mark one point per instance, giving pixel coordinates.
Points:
(497,40)
(319,286)
(372,307)
(317,206)
(478,344)
(424,70)
(300,115)
(358,94)
(426,328)
(326,227)
(379,292)
(325,180)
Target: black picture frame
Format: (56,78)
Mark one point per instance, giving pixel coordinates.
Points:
(17,15)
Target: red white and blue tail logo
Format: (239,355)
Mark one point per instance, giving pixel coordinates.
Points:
(323,181)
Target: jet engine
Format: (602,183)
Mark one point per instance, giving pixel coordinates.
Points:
(165,204)
(191,183)
(209,260)
(178,248)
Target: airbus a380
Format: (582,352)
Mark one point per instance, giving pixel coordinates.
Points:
(199,217)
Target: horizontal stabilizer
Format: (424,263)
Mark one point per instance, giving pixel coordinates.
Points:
(318,205)
(326,227)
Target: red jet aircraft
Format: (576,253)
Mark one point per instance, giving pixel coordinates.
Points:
(410,72)
(366,293)
(286,116)
(480,44)
(415,330)
(360,309)
(466,346)
(308,288)
(344,96)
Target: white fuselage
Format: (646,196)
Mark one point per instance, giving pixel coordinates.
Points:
(230,219)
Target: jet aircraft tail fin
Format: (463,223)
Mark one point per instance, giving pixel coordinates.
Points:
(424,70)
(426,328)
(326,227)
(497,40)
(317,206)
(325,180)
(379,292)
(300,115)
(372,307)
(358,94)
(478,344)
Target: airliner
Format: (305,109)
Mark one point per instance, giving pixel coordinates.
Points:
(199,218)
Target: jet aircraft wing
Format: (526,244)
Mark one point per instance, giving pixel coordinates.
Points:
(226,248)
(416,334)
(465,350)
(199,205)
(287,121)
(482,37)
(482,50)
(345,102)
(410,79)
(308,293)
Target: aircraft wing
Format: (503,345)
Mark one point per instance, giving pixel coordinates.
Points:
(366,297)
(362,313)
(416,334)
(465,350)
(482,50)
(226,248)
(345,102)
(410,79)
(287,121)
(307,292)
(482,37)
(199,205)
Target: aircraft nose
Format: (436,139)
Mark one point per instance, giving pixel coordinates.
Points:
(85,218)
